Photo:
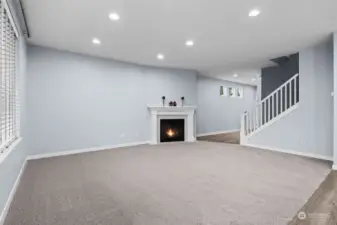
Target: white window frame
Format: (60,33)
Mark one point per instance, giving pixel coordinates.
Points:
(7,146)
(229,89)
(236,90)
(240,91)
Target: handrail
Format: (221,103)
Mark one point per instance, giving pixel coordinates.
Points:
(275,104)
(279,88)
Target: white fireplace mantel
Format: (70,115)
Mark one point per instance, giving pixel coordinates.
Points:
(171,109)
(168,112)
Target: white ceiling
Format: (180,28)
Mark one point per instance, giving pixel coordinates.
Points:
(227,40)
(245,76)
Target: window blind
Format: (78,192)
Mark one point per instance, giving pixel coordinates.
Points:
(8,88)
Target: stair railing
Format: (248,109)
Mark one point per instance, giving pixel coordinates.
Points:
(276,103)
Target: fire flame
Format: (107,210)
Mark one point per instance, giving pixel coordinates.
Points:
(170,133)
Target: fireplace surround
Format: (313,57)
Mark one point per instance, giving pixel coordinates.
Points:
(185,113)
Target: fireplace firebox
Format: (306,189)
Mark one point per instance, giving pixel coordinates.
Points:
(172,130)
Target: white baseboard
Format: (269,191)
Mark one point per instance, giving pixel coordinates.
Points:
(293,152)
(77,151)
(218,132)
(12,193)
(334,167)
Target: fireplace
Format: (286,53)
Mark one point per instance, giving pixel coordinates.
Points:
(172,130)
(184,115)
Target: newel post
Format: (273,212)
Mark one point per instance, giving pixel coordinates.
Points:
(243,129)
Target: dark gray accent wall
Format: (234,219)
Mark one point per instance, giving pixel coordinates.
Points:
(273,77)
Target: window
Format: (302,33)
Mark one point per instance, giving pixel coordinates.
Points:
(9,119)
(221,91)
(235,92)
(231,92)
(239,92)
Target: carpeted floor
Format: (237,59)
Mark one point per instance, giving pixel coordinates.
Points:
(171,184)
(230,138)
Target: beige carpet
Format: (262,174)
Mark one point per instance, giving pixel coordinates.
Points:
(230,138)
(171,184)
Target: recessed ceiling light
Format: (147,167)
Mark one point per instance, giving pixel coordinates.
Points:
(160,56)
(96,41)
(114,16)
(254,12)
(235,75)
(189,43)
(253,79)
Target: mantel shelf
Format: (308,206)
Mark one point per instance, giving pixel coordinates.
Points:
(172,108)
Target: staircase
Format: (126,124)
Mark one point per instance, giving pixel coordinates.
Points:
(276,105)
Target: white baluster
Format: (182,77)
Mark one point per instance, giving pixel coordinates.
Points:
(269,109)
(246,122)
(295,90)
(265,112)
(243,128)
(277,94)
(291,95)
(261,110)
(273,106)
(281,100)
(250,121)
(286,97)
(255,118)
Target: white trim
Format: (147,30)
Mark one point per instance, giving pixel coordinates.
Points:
(218,132)
(8,150)
(78,151)
(275,119)
(172,108)
(293,152)
(12,193)
(334,167)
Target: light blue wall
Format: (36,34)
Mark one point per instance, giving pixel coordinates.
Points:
(335,98)
(10,167)
(308,129)
(258,89)
(323,106)
(77,101)
(221,113)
